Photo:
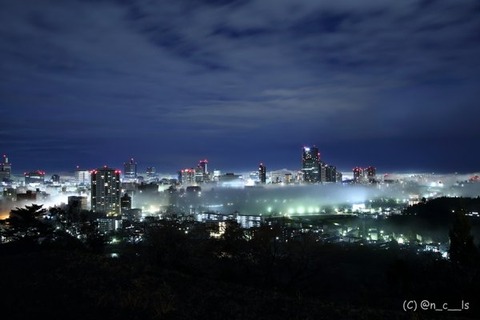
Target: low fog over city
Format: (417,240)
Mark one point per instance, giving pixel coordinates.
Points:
(216,195)
(244,195)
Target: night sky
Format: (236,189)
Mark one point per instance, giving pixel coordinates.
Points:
(394,84)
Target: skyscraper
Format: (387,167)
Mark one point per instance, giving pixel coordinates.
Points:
(311,164)
(204,165)
(105,192)
(5,168)
(371,174)
(323,171)
(357,174)
(331,174)
(201,171)
(186,176)
(199,174)
(262,173)
(151,172)
(130,169)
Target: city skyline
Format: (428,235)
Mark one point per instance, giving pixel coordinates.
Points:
(240,83)
(144,170)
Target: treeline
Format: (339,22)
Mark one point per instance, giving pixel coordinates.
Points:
(174,274)
(440,210)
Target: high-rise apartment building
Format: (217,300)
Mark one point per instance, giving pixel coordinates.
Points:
(105,191)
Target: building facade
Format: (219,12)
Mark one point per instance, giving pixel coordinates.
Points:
(311,164)
(130,169)
(105,191)
(5,169)
(82,176)
(35,177)
(262,173)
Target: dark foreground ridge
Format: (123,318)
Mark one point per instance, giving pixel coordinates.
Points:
(175,276)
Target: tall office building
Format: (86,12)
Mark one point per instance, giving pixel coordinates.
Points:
(105,191)
(331,174)
(82,176)
(311,164)
(126,202)
(357,174)
(339,177)
(371,174)
(151,172)
(35,177)
(288,178)
(186,176)
(323,171)
(5,169)
(364,175)
(201,171)
(204,165)
(55,178)
(262,173)
(130,169)
(199,174)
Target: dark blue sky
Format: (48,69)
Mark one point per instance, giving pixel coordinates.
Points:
(394,84)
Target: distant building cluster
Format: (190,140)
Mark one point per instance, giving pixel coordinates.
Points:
(108,199)
(37,176)
(199,174)
(365,175)
(109,192)
(315,170)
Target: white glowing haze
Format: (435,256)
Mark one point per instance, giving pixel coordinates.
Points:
(307,199)
(291,199)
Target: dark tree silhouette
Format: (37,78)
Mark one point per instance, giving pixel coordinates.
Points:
(233,239)
(27,215)
(166,244)
(27,223)
(462,248)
